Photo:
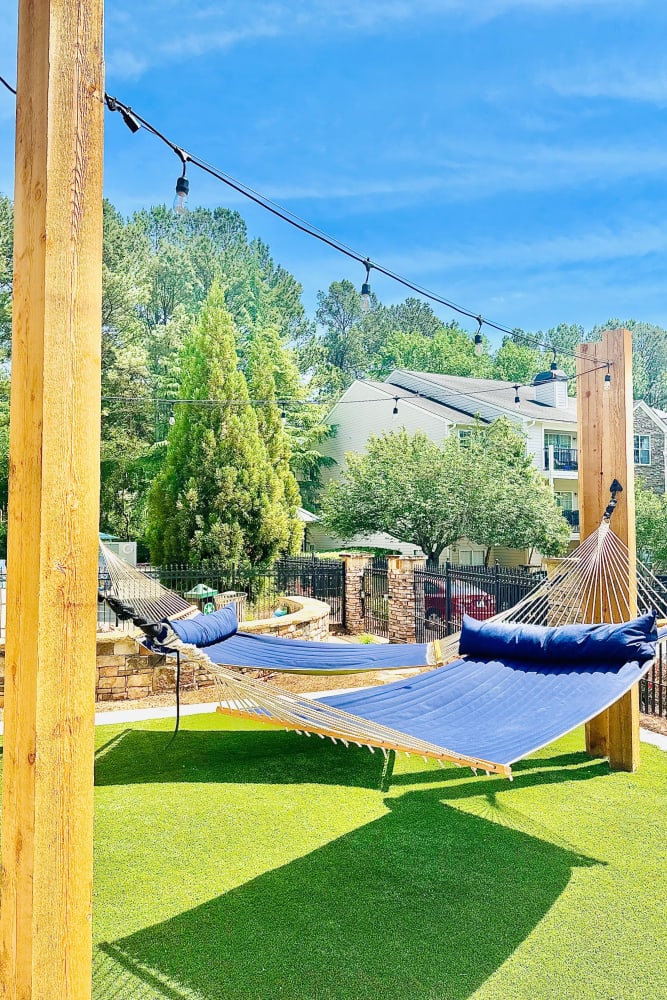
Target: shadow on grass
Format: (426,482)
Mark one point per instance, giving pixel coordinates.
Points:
(426,901)
(263,756)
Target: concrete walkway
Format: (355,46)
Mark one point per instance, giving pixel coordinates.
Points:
(168,712)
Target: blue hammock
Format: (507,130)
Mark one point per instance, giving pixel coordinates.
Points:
(217,635)
(497,710)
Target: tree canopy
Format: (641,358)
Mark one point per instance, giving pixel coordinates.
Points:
(225,491)
(483,488)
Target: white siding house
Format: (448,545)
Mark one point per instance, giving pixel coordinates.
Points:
(440,405)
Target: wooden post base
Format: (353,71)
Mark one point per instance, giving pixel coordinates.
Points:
(597,735)
(624,732)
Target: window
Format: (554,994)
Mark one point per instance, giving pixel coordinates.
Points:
(565,500)
(464,434)
(558,440)
(471,557)
(642,449)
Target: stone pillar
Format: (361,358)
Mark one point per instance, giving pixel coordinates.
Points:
(402,602)
(354,589)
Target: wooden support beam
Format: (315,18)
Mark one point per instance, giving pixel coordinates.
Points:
(47,794)
(605,427)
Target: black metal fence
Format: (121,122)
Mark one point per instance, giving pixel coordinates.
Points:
(375,598)
(444,594)
(306,576)
(653,687)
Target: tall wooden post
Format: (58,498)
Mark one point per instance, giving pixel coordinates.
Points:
(47,795)
(606,453)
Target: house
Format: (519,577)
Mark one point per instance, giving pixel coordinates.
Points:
(440,405)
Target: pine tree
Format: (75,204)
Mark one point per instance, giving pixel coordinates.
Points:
(217,496)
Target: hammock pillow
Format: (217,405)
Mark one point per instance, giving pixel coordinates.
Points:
(205,630)
(561,644)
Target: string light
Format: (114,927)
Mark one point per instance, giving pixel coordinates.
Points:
(394,412)
(479,343)
(331,241)
(134,121)
(607,380)
(517,398)
(182,187)
(283,417)
(554,363)
(366,288)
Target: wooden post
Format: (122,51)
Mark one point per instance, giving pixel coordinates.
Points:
(47,794)
(606,453)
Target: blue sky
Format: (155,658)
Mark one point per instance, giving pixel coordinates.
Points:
(509,154)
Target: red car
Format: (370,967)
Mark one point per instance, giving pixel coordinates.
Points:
(464,599)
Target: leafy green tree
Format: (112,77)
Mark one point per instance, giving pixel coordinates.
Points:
(651,522)
(264,359)
(217,495)
(483,488)
(516,362)
(511,503)
(402,486)
(6,267)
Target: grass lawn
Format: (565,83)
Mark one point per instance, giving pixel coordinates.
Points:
(260,864)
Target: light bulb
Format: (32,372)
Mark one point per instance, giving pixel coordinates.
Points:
(517,398)
(283,418)
(479,345)
(607,382)
(366,288)
(394,412)
(554,363)
(181,196)
(172,420)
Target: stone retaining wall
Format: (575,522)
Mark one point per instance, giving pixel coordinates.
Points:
(124,673)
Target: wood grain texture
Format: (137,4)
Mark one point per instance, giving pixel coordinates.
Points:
(606,453)
(47,795)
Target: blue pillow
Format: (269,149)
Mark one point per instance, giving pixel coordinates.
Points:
(204,630)
(562,644)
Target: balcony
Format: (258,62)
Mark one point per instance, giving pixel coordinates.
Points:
(564,459)
(572,518)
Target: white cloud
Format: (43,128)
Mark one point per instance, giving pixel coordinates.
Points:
(178,32)
(604,244)
(610,80)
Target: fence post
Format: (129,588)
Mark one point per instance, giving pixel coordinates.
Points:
(353,602)
(448,597)
(402,596)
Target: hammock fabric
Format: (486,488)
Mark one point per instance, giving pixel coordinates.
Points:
(499,710)
(298,656)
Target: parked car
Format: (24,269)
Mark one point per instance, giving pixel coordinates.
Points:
(465,598)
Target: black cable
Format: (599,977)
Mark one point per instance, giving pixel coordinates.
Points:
(305,227)
(7,85)
(114,104)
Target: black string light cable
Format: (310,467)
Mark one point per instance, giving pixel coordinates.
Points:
(285,404)
(135,121)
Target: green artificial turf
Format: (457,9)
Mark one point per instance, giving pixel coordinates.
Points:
(253,863)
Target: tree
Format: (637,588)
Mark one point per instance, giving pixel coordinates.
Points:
(483,488)
(651,522)
(400,486)
(511,502)
(217,495)
(6,268)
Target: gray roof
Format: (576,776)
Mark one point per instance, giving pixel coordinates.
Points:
(464,395)
(422,401)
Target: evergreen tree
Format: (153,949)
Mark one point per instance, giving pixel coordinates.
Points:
(218,495)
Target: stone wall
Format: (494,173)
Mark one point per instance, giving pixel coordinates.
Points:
(124,673)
